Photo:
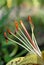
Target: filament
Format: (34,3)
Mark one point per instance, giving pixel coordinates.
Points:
(27,34)
(18,44)
(22,42)
(34,40)
(33,37)
(26,42)
(29,43)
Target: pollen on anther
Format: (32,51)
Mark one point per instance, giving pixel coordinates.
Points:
(8,30)
(16,24)
(30,21)
(5,34)
(29,18)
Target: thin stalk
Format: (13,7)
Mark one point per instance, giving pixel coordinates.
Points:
(27,34)
(23,39)
(34,40)
(18,44)
(33,37)
(22,42)
(29,42)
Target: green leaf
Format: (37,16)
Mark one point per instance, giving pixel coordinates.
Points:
(2,2)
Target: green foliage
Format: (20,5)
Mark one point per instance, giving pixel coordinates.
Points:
(2,2)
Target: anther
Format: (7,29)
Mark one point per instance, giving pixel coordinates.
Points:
(8,30)
(16,24)
(5,36)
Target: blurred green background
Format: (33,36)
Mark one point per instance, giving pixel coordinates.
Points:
(11,10)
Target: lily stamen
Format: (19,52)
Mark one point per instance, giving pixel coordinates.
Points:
(32,29)
(21,40)
(26,42)
(5,35)
(27,34)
